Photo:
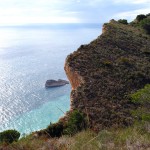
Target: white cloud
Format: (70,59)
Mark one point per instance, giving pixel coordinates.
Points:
(54,11)
(132,1)
(6,21)
(35,11)
(130,15)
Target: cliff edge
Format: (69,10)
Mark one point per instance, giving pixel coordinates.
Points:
(104,74)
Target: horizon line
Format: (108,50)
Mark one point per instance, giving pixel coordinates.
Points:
(46,24)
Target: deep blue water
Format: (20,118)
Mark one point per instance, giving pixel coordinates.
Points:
(30,55)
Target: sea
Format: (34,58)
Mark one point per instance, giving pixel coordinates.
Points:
(30,55)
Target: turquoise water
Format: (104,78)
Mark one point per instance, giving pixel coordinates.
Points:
(40,117)
(30,55)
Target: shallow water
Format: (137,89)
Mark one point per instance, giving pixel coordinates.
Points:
(30,55)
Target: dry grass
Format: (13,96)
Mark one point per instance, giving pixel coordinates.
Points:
(132,138)
(136,137)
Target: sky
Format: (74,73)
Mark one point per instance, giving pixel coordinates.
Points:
(18,12)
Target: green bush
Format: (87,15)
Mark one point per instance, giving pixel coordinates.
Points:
(148,15)
(142,96)
(125,61)
(55,130)
(140,17)
(107,63)
(123,21)
(146,116)
(145,24)
(76,122)
(9,136)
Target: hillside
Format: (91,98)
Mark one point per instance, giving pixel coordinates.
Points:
(104,74)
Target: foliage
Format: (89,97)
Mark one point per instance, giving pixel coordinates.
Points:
(142,114)
(107,63)
(55,130)
(148,15)
(125,61)
(142,21)
(9,136)
(140,17)
(142,96)
(76,122)
(145,24)
(123,21)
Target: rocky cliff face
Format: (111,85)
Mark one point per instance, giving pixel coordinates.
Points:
(105,72)
(73,76)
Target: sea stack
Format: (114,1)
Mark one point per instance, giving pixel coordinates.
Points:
(55,83)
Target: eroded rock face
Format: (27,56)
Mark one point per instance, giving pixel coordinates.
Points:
(74,78)
(105,72)
(75,81)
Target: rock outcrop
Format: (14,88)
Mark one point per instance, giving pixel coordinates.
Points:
(105,72)
(54,83)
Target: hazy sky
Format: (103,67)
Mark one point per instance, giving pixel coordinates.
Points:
(69,11)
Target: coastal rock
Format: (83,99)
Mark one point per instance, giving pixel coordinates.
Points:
(74,78)
(55,83)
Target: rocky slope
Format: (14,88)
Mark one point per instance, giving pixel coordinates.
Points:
(104,74)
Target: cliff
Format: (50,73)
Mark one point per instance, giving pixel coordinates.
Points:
(104,74)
